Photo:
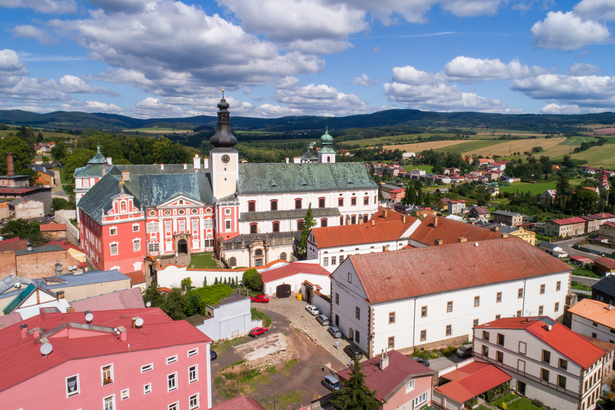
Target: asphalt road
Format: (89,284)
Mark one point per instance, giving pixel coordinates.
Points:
(567,246)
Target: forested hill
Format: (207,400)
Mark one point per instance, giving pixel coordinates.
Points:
(390,118)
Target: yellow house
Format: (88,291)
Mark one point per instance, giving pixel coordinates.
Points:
(527,236)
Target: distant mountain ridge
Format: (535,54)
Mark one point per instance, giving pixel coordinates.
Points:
(392,118)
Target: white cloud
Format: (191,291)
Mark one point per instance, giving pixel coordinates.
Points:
(275,111)
(364,81)
(472,7)
(42,6)
(568,32)
(246,90)
(568,109)
(470,70)
(29,31)
(72,84)
(412,76)
(152,107)
(118,6)
(581,69)
(322,100)
(603,10)
(10,64)
(91,106)
(288,82)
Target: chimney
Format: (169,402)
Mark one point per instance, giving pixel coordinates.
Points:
(385,213)
(29,247)
(197,162)
(24,331)
(205,162)
(504,235)
(36,332)
(435,222)
(60,294)
(403,219)
(373,222)
(463,239)
(10,169)
(185,167)
(70,309)
(125,176)
(104,170)
(438,242)
(360,220)
(287,160)
(384,360)
(495,228)
(122,332)
(162,167)
(109,160)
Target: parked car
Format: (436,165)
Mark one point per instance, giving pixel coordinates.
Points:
(335,331)
(260,299)
(354,352)
(331,382)
(258,331)
(465,351)
(212,354)
(312,309)
(322,319)
(421,361)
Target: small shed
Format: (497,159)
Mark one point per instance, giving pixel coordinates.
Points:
(580,260)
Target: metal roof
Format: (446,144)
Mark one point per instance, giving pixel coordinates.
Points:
(292,213)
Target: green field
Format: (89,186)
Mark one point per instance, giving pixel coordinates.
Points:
(468,146)
(426,168)
(157,130)
(537,188)
(46,134)
(578,140)
(257,132)
(394,139)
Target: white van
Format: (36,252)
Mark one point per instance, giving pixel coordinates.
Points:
(331,382)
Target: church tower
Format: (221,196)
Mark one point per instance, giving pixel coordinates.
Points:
(224,158)
(326,155)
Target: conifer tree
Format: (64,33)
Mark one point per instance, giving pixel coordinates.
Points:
(355,395)
(308,224)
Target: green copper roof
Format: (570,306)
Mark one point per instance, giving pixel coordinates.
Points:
(308,156)
(271,178)
(327,150)
(326,138)
(98,158)
(290,214)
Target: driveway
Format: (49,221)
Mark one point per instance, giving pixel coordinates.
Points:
(297,379)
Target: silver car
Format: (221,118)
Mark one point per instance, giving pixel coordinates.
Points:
(322,319)
(335,331)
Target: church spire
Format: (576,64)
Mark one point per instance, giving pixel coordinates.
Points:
(223,138)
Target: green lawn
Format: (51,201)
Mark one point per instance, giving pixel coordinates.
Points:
(203,261)
(521,403)
(156,130)
(537,188)
(468,146)
(426,168)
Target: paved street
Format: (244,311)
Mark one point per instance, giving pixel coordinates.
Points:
(567,246)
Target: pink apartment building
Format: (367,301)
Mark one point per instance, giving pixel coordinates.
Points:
(108,360)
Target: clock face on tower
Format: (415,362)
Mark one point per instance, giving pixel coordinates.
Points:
(226,159)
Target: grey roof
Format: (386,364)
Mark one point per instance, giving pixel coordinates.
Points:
(506,213)
(605,285)
(10,281)
(229,300)
(45,170)
(98,158)
(86,278)
(309,156)
(153,190)
(98,197)
(272,178)
(549,245)
(40,249)
(293,213)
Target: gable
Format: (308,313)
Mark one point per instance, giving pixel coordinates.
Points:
(340,276)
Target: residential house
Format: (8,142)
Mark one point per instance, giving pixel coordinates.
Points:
(507,218)
(432,297)
(499,166)
(607,230)
(227,319)
(547,197)
(590,170)
(395,195)
(44,176)
(519,232)
(407,155)
(456,207)
(442,203)
(594,318)
(553,249)
(547,361)
(483,162)
(493,190)
(54,230)
(386,231)
(77,359)
(417,173)
(77,286)
(565,227)
(398,381)
(510,180)
(604,290)
(442,191)
(581,260)
(443,179)
(35,263)
(479,212)
(604,265)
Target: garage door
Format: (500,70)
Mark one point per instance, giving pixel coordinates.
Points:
(282,291)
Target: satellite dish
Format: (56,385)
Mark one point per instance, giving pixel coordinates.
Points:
(148,304)
(18,285)
(46,348)
(89,316)
(476,244)
(139,322)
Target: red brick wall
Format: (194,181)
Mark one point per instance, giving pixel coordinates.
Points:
(7,262)
(40,265)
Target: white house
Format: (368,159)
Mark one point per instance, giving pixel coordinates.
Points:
(228,319)
(594,318)
(386,231)
(553,249)
(546,360)
(288,278)
(433,296)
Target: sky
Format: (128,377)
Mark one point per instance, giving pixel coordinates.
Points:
(274,58)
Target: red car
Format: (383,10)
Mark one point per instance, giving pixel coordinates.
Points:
(258,331)
(259,299)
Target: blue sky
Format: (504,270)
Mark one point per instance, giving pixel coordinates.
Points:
(163,58)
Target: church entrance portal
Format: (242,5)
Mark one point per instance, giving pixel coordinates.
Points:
(182,246)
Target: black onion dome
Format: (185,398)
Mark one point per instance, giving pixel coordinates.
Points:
(223,138)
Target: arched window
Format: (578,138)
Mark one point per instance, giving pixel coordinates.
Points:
(276,227)
(283,256)
(328,159)
(233,261)
(251,206)
(123,206)
(253,228)
(321,202)
(86,182)
(274,204)
(297,203)
(323,222)
(258,252)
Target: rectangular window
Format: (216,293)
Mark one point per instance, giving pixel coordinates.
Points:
(410,385)
(297,204)
(546,356)
(357,336)
(353,201)
(392,342)
(171,359)
(193,375)
(152,227)
(500,339)
(520,293)
(475,323)
(325,261)
(561,381)
(485,335)
(72,385)
(153,247)
(172,382)
(357,313)
(522,347)
(541,310)
(556,307)
(542,289)
(274,205)
(558,287)
(449,330)
(173,406)
(497,317)
(499,356)
(227,224)
(113,231)
(113,248)
(168,228)
(208,224)
(476,301)
(423,335)
(337,298)
(147,367)
(391,317)
(544,374)
(181,225)
(518,313)
(340,202)
(135,228)
(333,260)
(366,201)
(193,402)
(125,394)
(321,202)
(449,307)
(193,352)
(498,297)
(251,206)
(136,245)
(595,324)
(195,226)
(147,388)
(109,403)
(485,350)
(563,364)
(107,374)
(424,311)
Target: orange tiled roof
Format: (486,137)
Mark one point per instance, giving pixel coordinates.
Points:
(595,311)
(450,231)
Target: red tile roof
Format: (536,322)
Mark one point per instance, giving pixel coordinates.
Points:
(568,343)
(388,381)
(604,345)
(291,269)
(64,244)
(21,358)
(568,221)
(384,229)
(13,245)
(580,258)
(53,227)
(611,224)
(239,403)
(606,262)
(122,299)
(423,271)
(136,277)
(450,231)
(472,380)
